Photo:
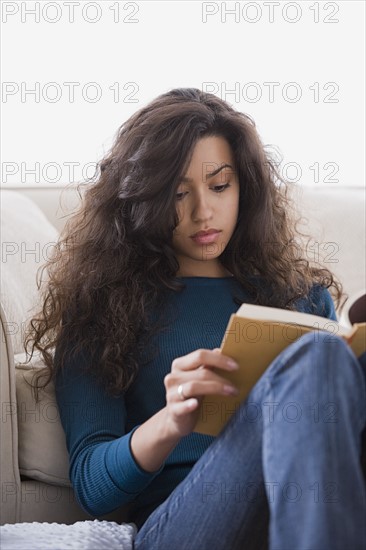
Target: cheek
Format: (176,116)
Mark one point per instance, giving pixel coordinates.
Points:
(180,216)
(178,228)
(232,204)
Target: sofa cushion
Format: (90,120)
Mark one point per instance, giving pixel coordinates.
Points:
(27,242)
(42,444)
(335,217)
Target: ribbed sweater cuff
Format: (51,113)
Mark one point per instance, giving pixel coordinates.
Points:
(125,471)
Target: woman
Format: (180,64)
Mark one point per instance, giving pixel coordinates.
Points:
(188,219)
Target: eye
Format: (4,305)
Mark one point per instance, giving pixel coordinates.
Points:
(220,188)
(179,196)
(215,188)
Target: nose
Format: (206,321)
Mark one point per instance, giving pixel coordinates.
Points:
(202,209)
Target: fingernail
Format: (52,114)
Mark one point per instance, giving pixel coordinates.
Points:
(231,390)
(233,365)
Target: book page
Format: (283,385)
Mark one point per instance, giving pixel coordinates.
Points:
(264,313)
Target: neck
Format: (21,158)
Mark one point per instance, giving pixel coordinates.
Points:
(217,273)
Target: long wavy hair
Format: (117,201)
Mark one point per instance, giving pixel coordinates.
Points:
(114,259)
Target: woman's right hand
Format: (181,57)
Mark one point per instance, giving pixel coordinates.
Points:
(193,373)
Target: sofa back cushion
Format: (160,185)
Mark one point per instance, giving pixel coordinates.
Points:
(42,443)
(335,217)
(27,242)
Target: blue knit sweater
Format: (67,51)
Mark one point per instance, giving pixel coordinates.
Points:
(98,428)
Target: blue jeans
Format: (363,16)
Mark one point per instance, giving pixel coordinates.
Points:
(285,471)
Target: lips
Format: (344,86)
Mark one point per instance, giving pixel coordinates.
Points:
(204,237)
(203,233)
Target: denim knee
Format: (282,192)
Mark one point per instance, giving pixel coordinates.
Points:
(324,342)
(328,344)
(323,338)
(322,350)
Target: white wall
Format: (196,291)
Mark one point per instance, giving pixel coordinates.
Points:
(309,55)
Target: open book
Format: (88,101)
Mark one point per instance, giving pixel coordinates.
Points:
(255,335)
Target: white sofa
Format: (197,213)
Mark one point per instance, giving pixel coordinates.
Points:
(34,460)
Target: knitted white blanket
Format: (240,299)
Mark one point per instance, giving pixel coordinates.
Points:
(82,535)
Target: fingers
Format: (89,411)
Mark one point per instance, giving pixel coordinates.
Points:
(181,408)
(197,358)
(196,384)
(195,388)
(193,373)
(174,379)
(215,350)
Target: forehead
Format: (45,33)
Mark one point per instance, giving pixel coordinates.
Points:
(212,148)
(211,155)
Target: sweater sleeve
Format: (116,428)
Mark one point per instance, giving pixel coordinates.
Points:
(319,302)
(102,468)
(324,303)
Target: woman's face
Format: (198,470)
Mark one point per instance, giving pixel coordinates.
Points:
(207,201)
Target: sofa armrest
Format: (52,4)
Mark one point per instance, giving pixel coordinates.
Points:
(9,469)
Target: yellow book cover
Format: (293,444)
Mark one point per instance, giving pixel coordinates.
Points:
(255,335)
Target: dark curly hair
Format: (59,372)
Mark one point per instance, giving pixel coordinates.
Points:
(114,259)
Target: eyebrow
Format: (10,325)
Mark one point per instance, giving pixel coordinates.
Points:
(208,175)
